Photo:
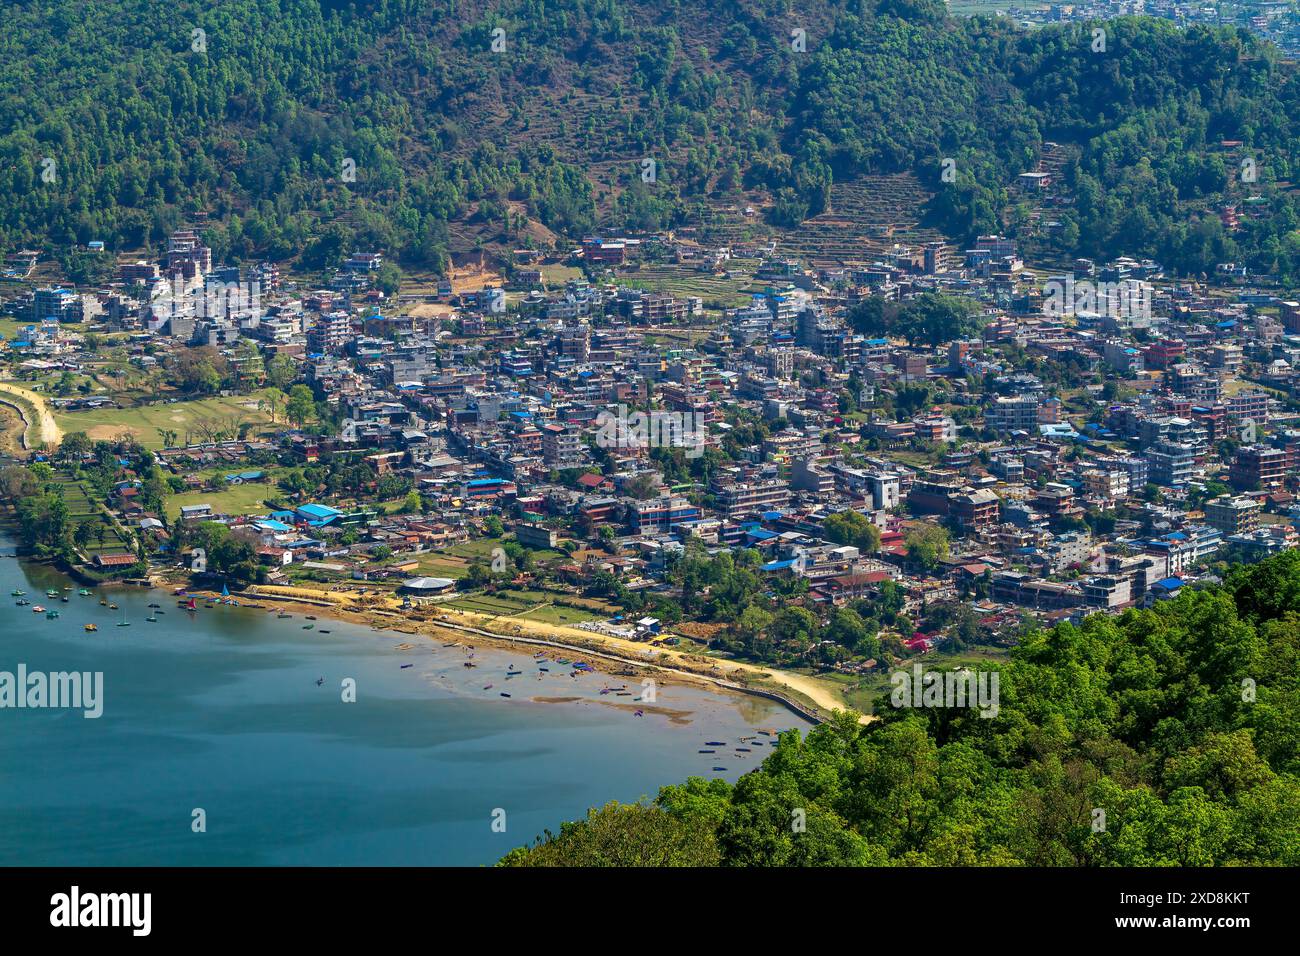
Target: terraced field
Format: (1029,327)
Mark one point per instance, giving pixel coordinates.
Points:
(866,217)
(82,508)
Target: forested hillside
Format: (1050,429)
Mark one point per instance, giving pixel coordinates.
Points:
(1180,724)
(127,118)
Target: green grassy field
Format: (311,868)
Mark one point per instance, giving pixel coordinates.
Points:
(147,422)
(860,692)
(245,499)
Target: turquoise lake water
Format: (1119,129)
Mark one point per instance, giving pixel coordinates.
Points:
(221,710)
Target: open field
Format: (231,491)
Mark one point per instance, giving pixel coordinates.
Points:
(146,423)
(245,499)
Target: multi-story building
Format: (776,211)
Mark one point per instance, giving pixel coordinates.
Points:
(1257,468)
(1171,464)
(659,514)
(1017,413)
(561,446)
(1233,515)
(745,499)
(975,510)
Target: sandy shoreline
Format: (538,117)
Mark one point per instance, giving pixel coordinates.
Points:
(606,654)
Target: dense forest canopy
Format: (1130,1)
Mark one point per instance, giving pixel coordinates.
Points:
(1180,724)
(126,119)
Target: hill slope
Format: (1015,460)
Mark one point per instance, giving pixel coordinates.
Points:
(299,128)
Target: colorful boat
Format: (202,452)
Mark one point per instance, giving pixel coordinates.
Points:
(92,627)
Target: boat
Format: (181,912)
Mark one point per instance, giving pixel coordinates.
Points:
(547,669)
(513,673)
(487,686)
(92,627)
(310,618)
(639,713)
(123,623)
(319,681)
(84,592)
(715,743)
(112,607)
(64,599)
(308,627)
(17,592)
(405,666)
(103,601)
(719,768)
(325,630)
(155,605)
(470,664)
(22,602)
(706,751)
(151,619)
(51,614)
(37,609)
(283,615)
(504,694)
(743,750)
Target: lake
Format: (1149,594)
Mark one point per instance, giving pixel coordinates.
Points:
(225,711)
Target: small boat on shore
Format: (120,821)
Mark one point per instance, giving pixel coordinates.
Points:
(283,615)
(310,618)
(715,743)
(325,630)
